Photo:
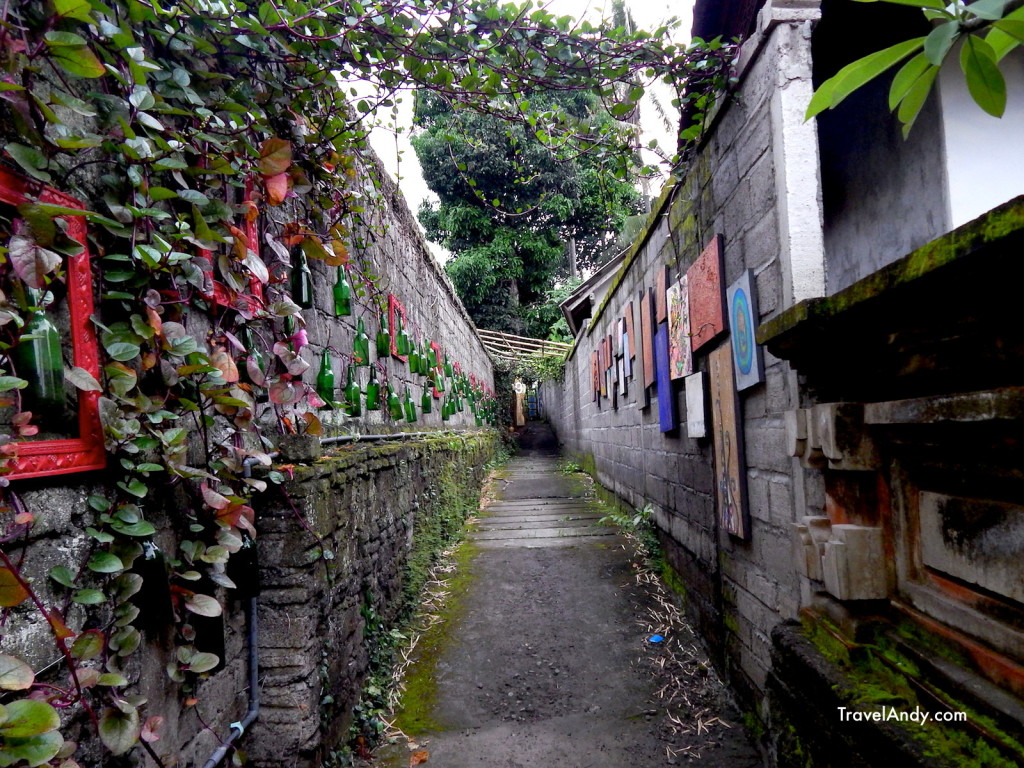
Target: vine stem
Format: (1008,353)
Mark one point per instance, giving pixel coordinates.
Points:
(60,641)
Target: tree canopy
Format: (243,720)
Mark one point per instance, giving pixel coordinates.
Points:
(511,211)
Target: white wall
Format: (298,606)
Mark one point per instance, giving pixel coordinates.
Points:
(984,154)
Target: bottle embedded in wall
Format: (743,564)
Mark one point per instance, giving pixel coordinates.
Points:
(38,359)
(301,279)
(361,345)
(373,391)
(353,394)
(342,294)
(325,379)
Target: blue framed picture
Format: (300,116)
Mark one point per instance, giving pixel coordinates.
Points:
(747,358)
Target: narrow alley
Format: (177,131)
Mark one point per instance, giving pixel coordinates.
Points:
(548,658)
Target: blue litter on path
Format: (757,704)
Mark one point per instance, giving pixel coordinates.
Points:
(655,639)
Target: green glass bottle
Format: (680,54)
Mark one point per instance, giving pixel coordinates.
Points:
(427,401)
(361,345)
(383,338)
(37,359)
(458,404)
(447,367)
(342,295)
(302,279)
(414,360)
(373,391)
(446,411)
(426,359)
(439,382)
(394,404)
(325,380)
(410,407)
(353,395)
(402,338)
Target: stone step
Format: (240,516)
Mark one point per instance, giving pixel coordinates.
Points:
(523,525)
(563,541)
(542,533)
(551,517)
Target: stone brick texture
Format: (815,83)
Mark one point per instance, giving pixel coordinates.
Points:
(368,506)
(736,591)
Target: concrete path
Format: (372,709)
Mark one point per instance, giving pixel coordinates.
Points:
(543,663)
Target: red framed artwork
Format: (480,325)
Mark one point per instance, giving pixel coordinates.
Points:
(395,309)
(77,444)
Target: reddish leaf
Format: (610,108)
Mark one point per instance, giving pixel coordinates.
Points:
(222,361)
(284,393)
(11,591)
(275,157)
(214,500)
(277,188)
(313,424)
(30,261)
(60,629)
(418,757)
(151,729)
(238,516)
(241,243)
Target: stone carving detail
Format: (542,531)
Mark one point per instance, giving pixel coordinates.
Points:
(849,559)
(831,436)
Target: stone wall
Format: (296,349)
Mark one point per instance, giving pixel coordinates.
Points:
(737,590)
(373,508)
(378,497)
(880,452)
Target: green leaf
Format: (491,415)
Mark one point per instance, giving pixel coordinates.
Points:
(89,597)
(119,730)
(990,10)
(204,605)
(87,645)
(15,674)
(73,55)
(1007,34)
(142,528)
(8,383)
(34,751)
(27,718)
(856,74)
(940,40)
(122,350)
(914,99)
(984,79)
(908,75)
(135,487)
(63,576)
(105,562)
(30,159)
(82,379)
(74,9)
(203,662)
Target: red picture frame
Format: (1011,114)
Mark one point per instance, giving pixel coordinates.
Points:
(57,457)
(396,307)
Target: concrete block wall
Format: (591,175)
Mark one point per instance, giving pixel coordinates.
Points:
(736,590)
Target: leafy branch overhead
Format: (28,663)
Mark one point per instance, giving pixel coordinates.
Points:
(985,31)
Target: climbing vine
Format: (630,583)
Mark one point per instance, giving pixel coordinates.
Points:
(217,145)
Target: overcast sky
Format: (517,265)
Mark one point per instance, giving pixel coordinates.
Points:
(397,153)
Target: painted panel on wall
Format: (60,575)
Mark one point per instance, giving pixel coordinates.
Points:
(667,412)
(730,477)
(660,300)
(746,354)
(647,333)
(631,330)
(704,282)
(696,424)
(680,354)
(595,381)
